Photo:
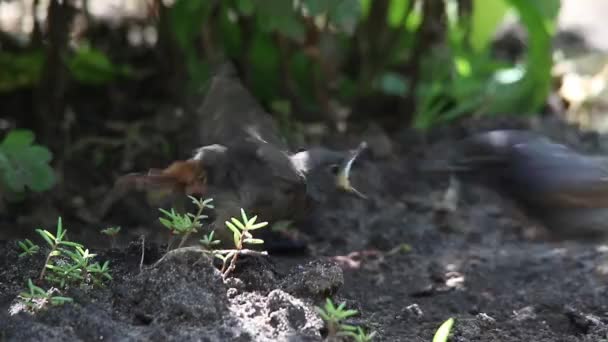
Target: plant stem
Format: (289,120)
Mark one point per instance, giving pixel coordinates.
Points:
(195,220)
(183,240)
(46,262)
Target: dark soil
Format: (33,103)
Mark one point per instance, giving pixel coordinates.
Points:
(402,260)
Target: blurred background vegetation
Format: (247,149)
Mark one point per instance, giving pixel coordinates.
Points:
(87,77)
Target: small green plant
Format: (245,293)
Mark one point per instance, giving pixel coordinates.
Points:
(54,242)
(112,232)
(358,334)
(185,224)
(24,164)
(28,247)
(333,317)
(443,332)
(241,233)
(69,262)
(208,241)
(37,299)
(78,268)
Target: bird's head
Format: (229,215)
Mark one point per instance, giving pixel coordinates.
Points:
(327,171)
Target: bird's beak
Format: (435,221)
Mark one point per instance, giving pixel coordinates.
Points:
(343,176)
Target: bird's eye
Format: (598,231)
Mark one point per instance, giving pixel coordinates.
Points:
(334,169)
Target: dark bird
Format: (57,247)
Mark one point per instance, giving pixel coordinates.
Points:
(244,164)
(563,189)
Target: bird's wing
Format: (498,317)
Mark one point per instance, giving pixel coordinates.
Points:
(560,175)
(536,169)
(230,115)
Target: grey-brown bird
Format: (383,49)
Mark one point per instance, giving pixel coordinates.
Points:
(244,164)
(565,190)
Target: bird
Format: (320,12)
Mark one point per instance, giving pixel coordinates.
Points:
(243,162)
(563,189)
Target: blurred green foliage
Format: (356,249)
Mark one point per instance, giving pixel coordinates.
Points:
(91,66)
(20,69)
(24,164)
(314,54)
(312,42)
(476,82)
(85,64)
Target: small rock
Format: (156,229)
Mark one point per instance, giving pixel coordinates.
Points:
(317,279)
(525,314)
(485,317)
(415,310)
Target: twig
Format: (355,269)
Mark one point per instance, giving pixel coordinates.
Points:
(241,251)
(143,244)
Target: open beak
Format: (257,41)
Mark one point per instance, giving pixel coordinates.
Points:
(343,177)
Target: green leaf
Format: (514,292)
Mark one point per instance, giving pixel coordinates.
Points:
(279,16)
(22,69)
(237,240)
(92,66)
(396,12)
(392,83)
(245,7)
(486,17)
(233,228)
(18,138)
(47,236)
(254,241)
(238,223)
(317,7)
(187,17)
(23,164)
(258,225)
(251,221)
(346,14)
(244,216)
(442,334)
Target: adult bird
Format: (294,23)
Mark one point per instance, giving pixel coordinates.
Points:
(565,190)
(244,164)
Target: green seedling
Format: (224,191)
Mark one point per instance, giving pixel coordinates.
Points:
(37,299)
(185,224)
(54,241)
(443,332)
(333,317)
(69,262)
(208,241)
(28,247)
(78,269)
(358,334)
(241,233)
(112,232)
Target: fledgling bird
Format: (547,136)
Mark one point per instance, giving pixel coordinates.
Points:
(565,190)
(244,164)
